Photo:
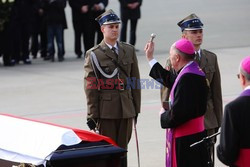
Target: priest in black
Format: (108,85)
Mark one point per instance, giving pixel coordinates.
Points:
(184,119)
(234,147)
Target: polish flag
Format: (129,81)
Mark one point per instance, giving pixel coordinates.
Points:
(29,141)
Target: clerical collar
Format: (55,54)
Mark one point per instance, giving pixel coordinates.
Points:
(248,87)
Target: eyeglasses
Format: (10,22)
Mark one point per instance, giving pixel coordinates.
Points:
(238,76)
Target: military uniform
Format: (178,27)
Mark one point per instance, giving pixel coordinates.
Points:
(111,102)
(209,65)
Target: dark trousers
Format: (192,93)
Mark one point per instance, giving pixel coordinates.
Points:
(132,32)
(211,149)
(82,30)
(20,37)
(5,46)
(55,31)
(96,34)
(39,42)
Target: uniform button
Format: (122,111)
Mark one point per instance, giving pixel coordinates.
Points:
(107,70)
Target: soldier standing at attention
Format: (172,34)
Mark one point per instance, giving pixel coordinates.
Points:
(192,29)
(110,67)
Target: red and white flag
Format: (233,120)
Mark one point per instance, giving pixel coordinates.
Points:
(28,141)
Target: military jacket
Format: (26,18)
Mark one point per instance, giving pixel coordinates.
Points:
(110,100)
(209,65)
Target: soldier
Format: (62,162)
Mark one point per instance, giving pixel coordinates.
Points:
(192,29)
(110,68)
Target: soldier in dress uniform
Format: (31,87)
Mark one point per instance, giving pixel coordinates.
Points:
(192,29)
(113,99)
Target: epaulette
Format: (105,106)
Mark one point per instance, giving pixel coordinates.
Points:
(209,52)
(125,43)
(94,48)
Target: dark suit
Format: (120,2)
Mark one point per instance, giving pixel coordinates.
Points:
(129,14)
(40,29)
(235,136)
(113,108)
(189,103)
(95,25)
(6,29)
(81,25)
(23,20)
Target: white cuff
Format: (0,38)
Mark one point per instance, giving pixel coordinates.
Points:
(152,62)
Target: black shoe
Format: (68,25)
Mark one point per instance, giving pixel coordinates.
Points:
(34,56)
(10,63)
(79,56)
(26,61)
(43,55)
(60,59)
(47,58)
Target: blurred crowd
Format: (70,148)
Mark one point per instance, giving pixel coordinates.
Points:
(31,29)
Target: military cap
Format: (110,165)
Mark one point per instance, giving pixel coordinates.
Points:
(108,17)
(191,22)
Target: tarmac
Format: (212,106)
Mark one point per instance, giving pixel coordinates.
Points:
(53,92)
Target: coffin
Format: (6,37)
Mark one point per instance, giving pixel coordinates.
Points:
(45,144)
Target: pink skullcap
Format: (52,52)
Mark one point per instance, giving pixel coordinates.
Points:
(245,64)
(185,46)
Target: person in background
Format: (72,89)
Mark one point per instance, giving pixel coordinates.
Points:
(184,119)
(39,36)
(23,19)
(192,29)
(234,147)
(113,103)
(130,10)
(55,19)
(97,9)
(6,19)
(81,17)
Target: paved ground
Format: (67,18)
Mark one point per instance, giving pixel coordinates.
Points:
(53,92)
